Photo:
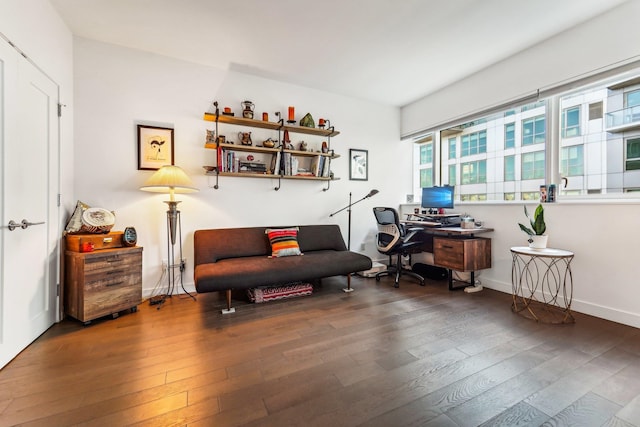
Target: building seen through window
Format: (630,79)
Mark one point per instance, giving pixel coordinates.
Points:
(505,155)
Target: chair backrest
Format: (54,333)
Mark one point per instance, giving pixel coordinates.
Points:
(389,229)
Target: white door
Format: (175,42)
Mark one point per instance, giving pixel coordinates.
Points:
(28,192)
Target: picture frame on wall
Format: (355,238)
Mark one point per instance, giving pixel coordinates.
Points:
(155,147)
(358,165)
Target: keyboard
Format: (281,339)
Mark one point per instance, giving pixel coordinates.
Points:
(423,223)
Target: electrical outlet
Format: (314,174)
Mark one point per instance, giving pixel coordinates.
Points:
(362,247)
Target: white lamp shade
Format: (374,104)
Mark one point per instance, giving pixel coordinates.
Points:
(169,179)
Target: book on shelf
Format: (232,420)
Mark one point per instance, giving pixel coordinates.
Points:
(325,167)
(252,167)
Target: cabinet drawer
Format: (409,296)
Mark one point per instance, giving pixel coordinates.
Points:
(105,262)
(111,300)
(462,254)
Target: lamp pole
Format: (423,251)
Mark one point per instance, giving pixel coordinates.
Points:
(348,207)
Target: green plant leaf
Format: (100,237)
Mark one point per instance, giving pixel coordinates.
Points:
(526,229)
(539,225)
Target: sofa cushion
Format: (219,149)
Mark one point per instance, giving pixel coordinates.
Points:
(251,272)
(284,241)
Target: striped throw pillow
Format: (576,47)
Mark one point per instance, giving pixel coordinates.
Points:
(284,241)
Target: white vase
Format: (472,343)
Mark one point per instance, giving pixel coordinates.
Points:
(538,242)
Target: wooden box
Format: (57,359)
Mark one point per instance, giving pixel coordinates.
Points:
(79,242)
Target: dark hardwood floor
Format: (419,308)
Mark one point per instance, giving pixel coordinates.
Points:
(413,356)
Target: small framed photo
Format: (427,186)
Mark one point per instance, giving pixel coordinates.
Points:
(358,165)
(155,147)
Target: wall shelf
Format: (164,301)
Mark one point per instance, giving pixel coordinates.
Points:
(241,121)
(320,160)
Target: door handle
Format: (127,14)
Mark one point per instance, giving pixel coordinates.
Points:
(23,224)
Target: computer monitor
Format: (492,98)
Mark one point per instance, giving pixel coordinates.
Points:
(437,197)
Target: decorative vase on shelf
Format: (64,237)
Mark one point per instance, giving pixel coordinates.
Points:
(538,242)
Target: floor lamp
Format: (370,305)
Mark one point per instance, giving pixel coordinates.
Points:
(348,207)
(171,179)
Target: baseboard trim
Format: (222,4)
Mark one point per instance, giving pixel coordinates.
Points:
(578,306)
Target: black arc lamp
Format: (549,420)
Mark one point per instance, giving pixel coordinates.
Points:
(348,207)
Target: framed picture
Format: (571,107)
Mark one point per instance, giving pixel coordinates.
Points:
(358,165)
(155,147)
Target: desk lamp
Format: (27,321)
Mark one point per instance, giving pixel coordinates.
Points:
(171,179)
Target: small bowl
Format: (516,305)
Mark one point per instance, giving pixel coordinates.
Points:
(209,168)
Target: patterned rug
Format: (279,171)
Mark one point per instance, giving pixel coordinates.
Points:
(272,293)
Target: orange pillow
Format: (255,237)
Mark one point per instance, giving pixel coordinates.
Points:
(284,241)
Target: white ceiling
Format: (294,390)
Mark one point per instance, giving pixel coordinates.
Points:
(386,51)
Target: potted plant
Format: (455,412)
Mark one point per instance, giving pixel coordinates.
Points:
(537,238)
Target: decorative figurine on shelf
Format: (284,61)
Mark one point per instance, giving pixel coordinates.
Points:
(269,143)
(303,146)
(211,137)
(325,147)
(321,123)
(307,121)
(286,142)
(247,112)
(245,138)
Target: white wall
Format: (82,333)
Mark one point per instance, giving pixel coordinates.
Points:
(116,88)
(603,236)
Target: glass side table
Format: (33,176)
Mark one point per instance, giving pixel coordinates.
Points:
(542,284)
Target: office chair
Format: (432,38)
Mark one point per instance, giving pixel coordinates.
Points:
(393,239)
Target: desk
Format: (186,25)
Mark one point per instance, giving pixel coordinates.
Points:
(542,284)
(455,248)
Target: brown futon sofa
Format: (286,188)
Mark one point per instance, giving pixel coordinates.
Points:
(239,258)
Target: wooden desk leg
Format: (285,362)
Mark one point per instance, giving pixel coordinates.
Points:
(466,285)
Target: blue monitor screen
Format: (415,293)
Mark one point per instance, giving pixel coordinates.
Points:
(438,197)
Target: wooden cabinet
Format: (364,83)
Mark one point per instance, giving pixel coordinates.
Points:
(315,164)
(462,254)
(102,283)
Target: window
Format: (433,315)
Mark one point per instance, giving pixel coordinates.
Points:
(424,163)
(631,99)
(510,168)
(633,154)
(571,161)
(426,178)
(426,154)
(473,143)
(595,110)
(571,122)
(533,165)
(503,154)
(533,131)
(509,135)
(473,197)
(452,148)
(474,172)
